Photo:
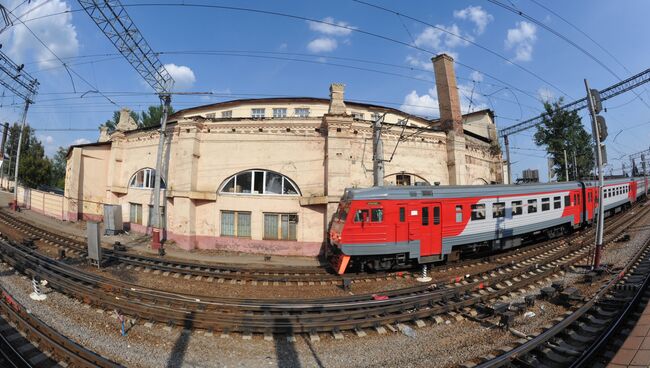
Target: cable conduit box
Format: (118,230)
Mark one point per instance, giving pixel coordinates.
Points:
(113,224)
(94,244)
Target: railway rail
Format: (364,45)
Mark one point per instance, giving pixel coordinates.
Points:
(21,332)
(577,340)
(413,304)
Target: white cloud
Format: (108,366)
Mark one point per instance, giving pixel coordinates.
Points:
(183,76)
(80,141)
(331,29)
(470,99)
(47,139)
(545,94)
(323,44)
(424,105)
(476,76)
(441,37)
(57,32)
(521,39)
(476,15)
(419,63)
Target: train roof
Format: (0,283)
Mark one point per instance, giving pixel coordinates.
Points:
(460,191)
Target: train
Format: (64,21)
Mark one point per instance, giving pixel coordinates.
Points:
(384,228)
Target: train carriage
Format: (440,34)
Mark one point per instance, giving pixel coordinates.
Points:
(383,227)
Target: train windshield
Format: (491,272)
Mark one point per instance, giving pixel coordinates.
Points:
(342,211)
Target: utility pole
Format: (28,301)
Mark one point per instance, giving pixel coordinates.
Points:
(377,153)
(2,151)
(507,144)
(575,167)
(20,141)
(593,106)
(566,167)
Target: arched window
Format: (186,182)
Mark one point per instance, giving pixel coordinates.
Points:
(404,178)
(145,179)
(261,182)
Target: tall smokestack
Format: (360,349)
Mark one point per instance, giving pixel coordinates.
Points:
(448,100)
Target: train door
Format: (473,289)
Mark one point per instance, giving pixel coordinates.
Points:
(430,229)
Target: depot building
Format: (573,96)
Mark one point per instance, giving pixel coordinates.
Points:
(265,175)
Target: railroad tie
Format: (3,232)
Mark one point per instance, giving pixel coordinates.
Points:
(380,330)
(313,336)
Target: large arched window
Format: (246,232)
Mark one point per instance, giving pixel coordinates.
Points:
(404,178)
(262,182)
(145,179)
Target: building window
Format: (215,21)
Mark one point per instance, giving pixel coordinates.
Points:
(557,202)
(210,115)
(260,182)
(135,213)
(459,213)
(546,204)
(375,116)
(402,122)
(145,179)
(302,112)
(498,209)
(257,113)
(532,206)
(278,226)
(226,114)
(357,115)
(517,208)
(403,179)
(478,211)
(278,113)
(236,223)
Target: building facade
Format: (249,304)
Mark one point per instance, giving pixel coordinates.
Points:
(266,175)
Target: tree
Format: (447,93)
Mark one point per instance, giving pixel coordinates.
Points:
(59,162)
(562,130)
(34,169)
(151,117)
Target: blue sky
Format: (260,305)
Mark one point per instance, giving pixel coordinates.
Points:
(237,54)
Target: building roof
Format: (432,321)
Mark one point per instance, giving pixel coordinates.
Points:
(93,144)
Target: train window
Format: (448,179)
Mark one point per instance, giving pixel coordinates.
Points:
(517,208)
(402,214)
(498,209)
(546,204)
(425,216)
(343,214)
(436,215)
(376,215)
(532,205)
(362,215)
(459,213)
(557,202)
(567,201)
(478,211)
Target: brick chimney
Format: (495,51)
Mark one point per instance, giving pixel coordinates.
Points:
(448,100)
(337,105)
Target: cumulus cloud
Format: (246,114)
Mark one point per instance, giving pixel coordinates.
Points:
(476,76)
(419,63)
(421,105)
(322,44)
(476,15)
(545,94)
(343,29)
(183,76)
(55,31)
(80,141)
(441,37)
(47,139)
(521,39)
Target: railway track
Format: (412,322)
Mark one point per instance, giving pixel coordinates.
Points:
(408,305)
(264,276)
(25,341)
(578,339)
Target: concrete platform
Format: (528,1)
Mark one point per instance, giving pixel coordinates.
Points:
(635,351)
(139,243)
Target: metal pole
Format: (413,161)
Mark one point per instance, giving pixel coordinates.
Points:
(599,161)
(575,167)
(566,167)
(507,144)
(166,99)
(2,151)
(377,154)
(645,177)
(20,141)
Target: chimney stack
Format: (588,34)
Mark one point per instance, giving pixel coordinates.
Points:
(337,104)
(448,100)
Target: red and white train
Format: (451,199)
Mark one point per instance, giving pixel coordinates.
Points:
(381,228)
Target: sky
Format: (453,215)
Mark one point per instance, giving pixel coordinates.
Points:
(504,61)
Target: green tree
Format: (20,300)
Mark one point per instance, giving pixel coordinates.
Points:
(151,117)
(562,130)
(59,161)
(35,167)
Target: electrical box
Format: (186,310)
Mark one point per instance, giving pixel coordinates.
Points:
(94,243)
(113,224)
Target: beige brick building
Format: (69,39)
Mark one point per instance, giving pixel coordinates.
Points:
(265,175)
